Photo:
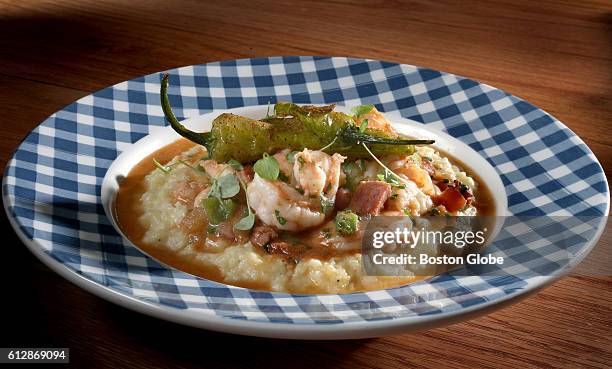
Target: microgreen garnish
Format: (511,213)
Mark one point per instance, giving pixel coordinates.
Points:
(198,169)
(354,173)
(235,164)
(361,110)
(388,174)
(228,186)
(168,168)
(267,167)
(218,205)
(215,191)
(218,210)
(291,156)
(329,144)
(279,218)
(268,116)
(163,168)
(363,126)
(248,221)
(346,222)
(186,164)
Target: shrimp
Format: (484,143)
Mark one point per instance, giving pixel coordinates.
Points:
(410,198)
(215,169)
(314,171)
(376,120)
(282,204)
(283,163)
(408,168)
(278,204)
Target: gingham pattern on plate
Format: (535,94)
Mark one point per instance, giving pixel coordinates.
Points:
(52,184)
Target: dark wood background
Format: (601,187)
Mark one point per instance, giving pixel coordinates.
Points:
(557,55)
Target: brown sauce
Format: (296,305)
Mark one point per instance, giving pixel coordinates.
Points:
(310,244)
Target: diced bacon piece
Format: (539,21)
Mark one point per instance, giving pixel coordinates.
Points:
(452,199)
(262,235)
(370,197)
(343,199)
(428,166)
(279,248)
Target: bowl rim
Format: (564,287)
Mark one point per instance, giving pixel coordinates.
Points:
(162,136)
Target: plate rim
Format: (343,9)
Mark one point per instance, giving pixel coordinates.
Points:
(279,329)
(345,330)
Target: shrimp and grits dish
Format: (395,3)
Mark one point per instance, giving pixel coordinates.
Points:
(281,203)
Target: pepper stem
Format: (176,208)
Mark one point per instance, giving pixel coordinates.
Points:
(199,138)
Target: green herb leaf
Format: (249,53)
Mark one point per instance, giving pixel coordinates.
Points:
(328,145)
(363,126)
(279,218)
(346,222)
(218,210)
(229,186)
(198,169)
(235,164)
(245,223)
(268,116)
(387,176)
(354,174)
(214,189)
(361,110)
(165,169)
(267,167)
(291,156)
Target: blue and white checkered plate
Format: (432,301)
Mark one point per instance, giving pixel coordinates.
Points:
(52,190)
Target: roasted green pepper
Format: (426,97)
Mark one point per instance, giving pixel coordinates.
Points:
(293,127)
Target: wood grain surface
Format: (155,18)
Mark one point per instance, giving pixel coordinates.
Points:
(557,55)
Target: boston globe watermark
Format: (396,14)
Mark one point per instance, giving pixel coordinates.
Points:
(481,245)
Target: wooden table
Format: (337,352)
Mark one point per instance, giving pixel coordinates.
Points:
(555,55)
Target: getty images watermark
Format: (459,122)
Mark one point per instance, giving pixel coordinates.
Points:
(480,245)
(411,240)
